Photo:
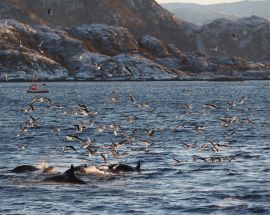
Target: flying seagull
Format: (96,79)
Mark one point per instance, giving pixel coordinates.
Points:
(50,11)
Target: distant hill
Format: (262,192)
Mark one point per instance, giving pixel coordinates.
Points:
(246,37)
(204,14)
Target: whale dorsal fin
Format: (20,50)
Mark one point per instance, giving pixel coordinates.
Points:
(138,167)
(70,172)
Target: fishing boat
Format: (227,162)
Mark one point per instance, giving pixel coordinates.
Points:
(36,88)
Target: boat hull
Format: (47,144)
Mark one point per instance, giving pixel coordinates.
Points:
(37,91)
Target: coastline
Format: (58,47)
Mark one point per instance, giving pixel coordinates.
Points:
(148,80)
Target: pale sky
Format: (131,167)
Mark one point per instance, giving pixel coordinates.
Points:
(198,1)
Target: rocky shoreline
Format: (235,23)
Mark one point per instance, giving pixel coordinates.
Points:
(100,52)
(227,79)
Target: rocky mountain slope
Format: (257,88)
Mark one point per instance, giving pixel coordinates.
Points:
(65,44)
(141,17)
(85,53)
(204,14)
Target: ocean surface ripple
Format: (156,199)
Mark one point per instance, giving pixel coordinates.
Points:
(172,180)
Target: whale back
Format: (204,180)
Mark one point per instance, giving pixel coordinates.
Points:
(24,168)
(125,167)
(67,177)
(64,179)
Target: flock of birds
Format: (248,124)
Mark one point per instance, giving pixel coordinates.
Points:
(130,140)
(76,143)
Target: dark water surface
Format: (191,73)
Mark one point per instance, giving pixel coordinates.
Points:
(241,186)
